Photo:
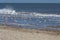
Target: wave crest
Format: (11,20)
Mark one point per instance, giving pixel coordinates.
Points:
(11,11)
(7,11)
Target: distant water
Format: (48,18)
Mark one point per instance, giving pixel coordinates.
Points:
(30,15)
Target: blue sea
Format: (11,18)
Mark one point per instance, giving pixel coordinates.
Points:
(31,15)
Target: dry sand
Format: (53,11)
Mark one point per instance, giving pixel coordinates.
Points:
(8,33)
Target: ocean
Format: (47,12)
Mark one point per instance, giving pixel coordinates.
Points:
(31,15)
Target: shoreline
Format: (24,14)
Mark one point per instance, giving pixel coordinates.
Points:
(54,32)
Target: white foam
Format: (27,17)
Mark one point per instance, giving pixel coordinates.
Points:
(46,15)
(7,11)
(26,14)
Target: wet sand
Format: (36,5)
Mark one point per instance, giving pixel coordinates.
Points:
(9,33)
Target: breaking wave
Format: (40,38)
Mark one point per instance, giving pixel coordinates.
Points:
(29,18)
(7,11)
(13,12)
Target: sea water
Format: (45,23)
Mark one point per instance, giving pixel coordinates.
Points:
(31,15)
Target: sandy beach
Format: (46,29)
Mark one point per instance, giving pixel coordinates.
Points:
(9,33)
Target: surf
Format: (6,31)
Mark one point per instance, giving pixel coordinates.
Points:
(28,19)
